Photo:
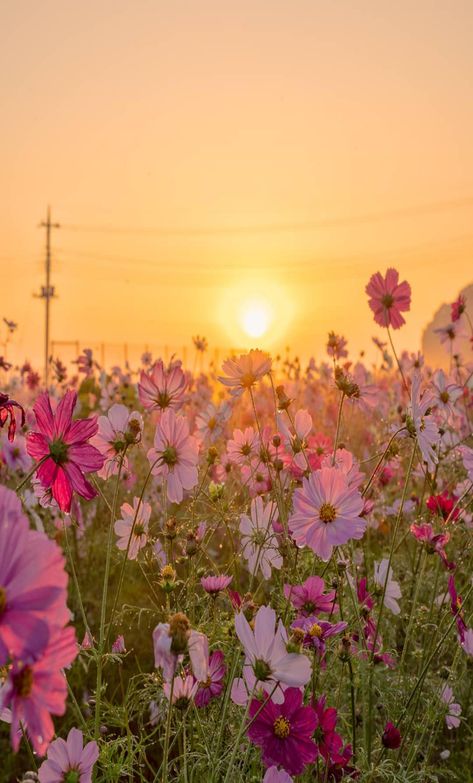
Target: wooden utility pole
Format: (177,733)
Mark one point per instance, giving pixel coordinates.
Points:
(47,290)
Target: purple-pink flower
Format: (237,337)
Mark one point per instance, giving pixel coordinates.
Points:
(388,298)
(215,584)
(69,760)
(212,687)
(326,512)
(175,455)
(162,388)
(309,597)
(284,731)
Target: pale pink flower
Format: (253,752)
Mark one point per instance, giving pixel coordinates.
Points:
(167,659)
(445,392)
(211,422)
(139,513)
(162,387)
(388,298)
(183,690)
(175,453)
(69,760)
(117,430)
(244,371)
(243,446)
(118,645)
(454,710)
(259,545)
(215,584)
(421,424)
(326,512)
(275,775)
(393,591)
(467,642)
(266,653)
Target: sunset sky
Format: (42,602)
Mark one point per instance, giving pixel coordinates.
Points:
(207,159)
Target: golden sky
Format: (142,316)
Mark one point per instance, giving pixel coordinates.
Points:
(184,147)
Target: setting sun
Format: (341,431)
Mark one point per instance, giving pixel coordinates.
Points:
(256,318)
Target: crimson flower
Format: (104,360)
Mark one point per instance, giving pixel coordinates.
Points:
(284,731)
(62,447)
(7,411)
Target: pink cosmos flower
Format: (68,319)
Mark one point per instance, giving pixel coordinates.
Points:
(118,645)
(445,393)
(243,445)
(15,455)
(139,514)
(62,445)
(336,346)
(467,641)
(275,775)
(284,732)
(172,640)
(326,512)
(391,737)
(259,545)
(176,455)
(382,577)
(309,597)
(215,584)
(162,388)
(467,457)
(183,691)
(317,631)
(245,371)
(434,543)
(421,424)
(116,431)
(266,653)
(458,307)
(69,760)
(34,690)
(213,685)
(445,505)
(388,298)
(33,583)
(7,412)
(454,710)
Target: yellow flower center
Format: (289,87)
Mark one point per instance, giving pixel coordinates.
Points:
(327,512)
(315,630)
(282,727)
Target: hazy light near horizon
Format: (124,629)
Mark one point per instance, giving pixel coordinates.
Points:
(256,317)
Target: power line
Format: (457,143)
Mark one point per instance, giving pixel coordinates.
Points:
(267,228)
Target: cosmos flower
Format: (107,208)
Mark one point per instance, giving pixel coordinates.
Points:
(62,446)
(317,631)
(244,371)
(215,584)
(382,577)
(266,653)
(284,732)
(454,710)
(243,446)
(173,640)
(212,687)
(391,738)
(15,455)
(162,388)
(259,545)
(421,424)
(336,346)
(445,505)
(326,512)
(433,542)
(7,412)
(176,454)
(139,514)
(36,689)
(388,298)
(275,775)
(33,584)
(183,691)
(118,430)
(309,597)
(69,760)
(445,392)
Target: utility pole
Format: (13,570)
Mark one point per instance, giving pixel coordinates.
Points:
(47,291)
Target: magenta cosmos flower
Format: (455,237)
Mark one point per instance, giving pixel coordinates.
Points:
(34,690)
(69,760)
(215,584)
(388,298)
(176,455)
(62,446)
(284,732)
(162,388)
(266,652)
(244,371)
(326,512)
(33,583)
(309,597)
(7,412)
(213,685)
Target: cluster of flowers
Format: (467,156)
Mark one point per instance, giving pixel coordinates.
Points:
(249,482)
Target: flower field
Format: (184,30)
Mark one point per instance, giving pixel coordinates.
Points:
(258,573)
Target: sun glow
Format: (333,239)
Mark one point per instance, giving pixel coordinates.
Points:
(256,318)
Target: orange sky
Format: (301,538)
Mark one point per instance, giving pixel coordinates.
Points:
(208,114)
